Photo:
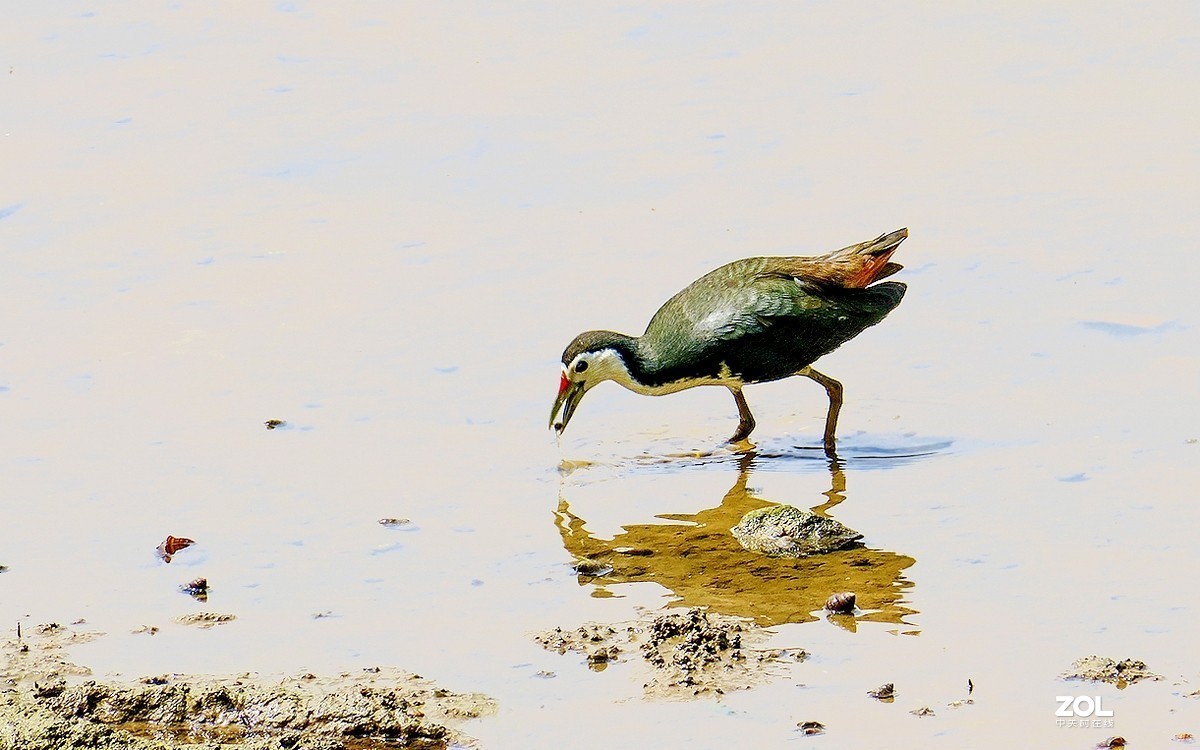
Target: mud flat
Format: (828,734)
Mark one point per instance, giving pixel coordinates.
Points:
(49,703)
(688,651)
(1103,669)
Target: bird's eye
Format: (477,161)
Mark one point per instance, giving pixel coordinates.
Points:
(581,365)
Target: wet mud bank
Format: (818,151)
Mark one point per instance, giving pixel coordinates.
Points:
(688,652)
(49,703)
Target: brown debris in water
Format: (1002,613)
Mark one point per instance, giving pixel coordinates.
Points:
(171,545)
(205,619)
(46,707)
(689,651)
(1102,669)
(811,727)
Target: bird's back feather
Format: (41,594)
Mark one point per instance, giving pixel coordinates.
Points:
(766,318)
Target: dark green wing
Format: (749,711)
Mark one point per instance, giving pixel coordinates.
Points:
(738,299)
(762,322)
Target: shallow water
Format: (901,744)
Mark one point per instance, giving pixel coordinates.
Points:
(382,224)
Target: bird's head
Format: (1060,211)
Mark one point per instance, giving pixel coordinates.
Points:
(592,358)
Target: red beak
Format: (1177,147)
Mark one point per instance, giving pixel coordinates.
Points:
(568,398)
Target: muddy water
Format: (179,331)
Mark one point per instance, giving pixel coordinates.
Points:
(381,224)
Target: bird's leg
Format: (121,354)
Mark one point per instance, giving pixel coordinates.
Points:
(834,389)
(746,425)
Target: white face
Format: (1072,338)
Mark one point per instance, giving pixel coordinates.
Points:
(592,368)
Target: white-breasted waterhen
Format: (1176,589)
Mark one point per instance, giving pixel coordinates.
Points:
(749,321)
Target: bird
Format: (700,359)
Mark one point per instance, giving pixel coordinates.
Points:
(754,320)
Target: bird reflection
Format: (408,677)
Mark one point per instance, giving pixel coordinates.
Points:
(699,560)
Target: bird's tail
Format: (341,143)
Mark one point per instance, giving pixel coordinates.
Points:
(867,262)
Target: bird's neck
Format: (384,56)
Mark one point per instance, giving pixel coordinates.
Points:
(632,363)
(628,350)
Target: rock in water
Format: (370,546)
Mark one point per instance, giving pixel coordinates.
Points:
(786,531)
(842,603)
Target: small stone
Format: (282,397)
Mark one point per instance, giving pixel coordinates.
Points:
(394,522)
(273,423)
(197,588)
(884,692)
(1112,742)
(923,711)
(841,603)
(811,727)
(590,567)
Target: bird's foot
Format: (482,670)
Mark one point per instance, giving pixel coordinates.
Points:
(741,445)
